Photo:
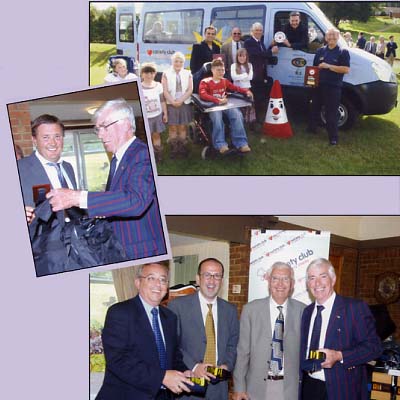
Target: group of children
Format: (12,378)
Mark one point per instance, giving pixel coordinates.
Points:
(169,102)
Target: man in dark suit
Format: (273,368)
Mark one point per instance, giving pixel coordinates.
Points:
(130,201)
(195,313)
(45,166)
(203,52)
(143,360)
(341,328)
(230,48)
(258,57)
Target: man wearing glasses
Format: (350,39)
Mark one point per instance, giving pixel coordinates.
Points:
(143,360)
(267,365)
(208,328)
(230,48)
(129,201)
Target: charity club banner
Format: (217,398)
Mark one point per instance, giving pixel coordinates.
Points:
(296,248)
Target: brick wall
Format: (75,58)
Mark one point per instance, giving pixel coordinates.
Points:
(372,263)
(20,119)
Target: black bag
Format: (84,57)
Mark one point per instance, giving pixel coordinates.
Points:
(60,246)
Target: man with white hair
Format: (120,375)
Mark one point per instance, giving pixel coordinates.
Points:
(338,337)
(258,57)
(333,62)
(267,364)
(129,201)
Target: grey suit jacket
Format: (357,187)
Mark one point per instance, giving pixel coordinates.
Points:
(192,337)
(254,349)
(226,49)
(31,173)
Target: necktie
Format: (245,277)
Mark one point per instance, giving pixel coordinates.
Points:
(159,340)
(316,332)
(277,344)
(237,45)
(113,164)
(209,356)
(60,175)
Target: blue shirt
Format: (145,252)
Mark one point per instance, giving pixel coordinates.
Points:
(335,56)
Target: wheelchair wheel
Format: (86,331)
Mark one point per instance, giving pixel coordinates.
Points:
(209,153)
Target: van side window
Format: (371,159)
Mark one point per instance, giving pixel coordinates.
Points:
(183,26)
(125,28)
(226,18)
(315,34)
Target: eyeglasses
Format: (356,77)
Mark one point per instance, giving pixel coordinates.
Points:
(276,279)
(236,33)
(153,279)
(98,128)
(208,275)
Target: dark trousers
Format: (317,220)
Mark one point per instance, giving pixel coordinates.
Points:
(328,97)
(260,90)
(313,389)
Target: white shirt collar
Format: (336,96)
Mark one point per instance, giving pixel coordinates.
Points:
(45,161)
(206,301)
(328,303)
(121,151)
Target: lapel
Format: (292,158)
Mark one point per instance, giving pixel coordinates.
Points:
(145,330)
(335,321)
(168,333)
(289,320)
(38,169)
(124,163)
(265,318)
(222,334)
(196,317)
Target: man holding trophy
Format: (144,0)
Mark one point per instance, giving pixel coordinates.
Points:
(208,330)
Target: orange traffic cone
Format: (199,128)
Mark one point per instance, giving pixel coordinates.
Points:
(276,123)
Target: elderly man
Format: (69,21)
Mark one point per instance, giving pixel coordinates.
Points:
(143,360)
(333,62)
(258,57)
(370,46)
(296,33)
(230,48)
(129,201)
(203,52)
(45,165)
(208,328)
(267,365)
(343,330)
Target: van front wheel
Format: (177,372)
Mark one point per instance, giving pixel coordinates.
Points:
(348,114)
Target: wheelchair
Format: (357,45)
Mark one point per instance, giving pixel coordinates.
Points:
(130,62)
(200,130)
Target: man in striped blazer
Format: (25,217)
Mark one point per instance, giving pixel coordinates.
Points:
(344,330)
(129,201)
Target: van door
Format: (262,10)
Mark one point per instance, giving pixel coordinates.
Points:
(125,29)
(290,68)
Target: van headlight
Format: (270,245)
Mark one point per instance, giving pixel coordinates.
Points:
(384,74)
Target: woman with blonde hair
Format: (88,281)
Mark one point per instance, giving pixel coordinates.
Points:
(178,87)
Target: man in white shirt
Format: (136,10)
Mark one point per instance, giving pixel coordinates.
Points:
(197,312)
(45,165)
(267,365)
(338,338)
(129,202)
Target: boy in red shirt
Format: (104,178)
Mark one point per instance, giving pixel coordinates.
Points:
(214,89)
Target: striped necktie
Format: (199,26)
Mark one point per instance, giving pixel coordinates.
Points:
(209,356)
(316,332)
(159,340)
(277,344)
(60,175)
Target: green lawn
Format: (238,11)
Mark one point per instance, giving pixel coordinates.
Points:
(375,26)
(99,53)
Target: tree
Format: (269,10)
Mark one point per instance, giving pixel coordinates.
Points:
(337,11)
(102,25)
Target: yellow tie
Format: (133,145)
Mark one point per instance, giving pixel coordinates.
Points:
(209,356)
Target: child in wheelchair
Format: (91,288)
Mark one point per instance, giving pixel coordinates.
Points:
(215,90)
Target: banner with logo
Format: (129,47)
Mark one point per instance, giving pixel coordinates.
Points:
(296,248)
